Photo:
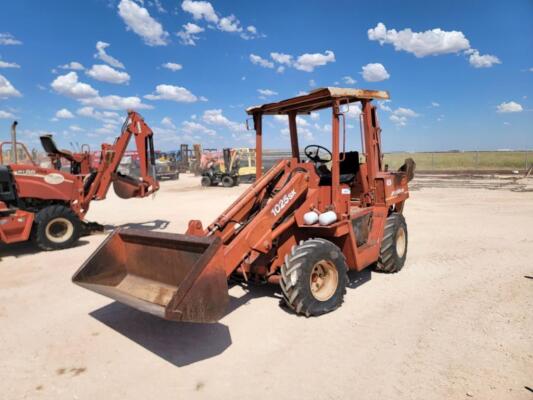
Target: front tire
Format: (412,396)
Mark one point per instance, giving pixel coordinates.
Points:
(206,181)
(56,227)
(228,181)
(394,245)
(314,277)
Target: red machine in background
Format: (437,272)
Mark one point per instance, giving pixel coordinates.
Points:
(49,205)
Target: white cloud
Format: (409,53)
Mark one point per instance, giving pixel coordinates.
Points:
(482,61)
(315,116)
(266,92)
(191,128)
(374,72)
(258,60)
(69,85)
(6,115)
(200,10)
(301,121)
(138,20)
(73,65)
(303,133)
(5,64)
(64,114)
(421,44)
(229,24)
(354,110)
(188,36)
(435,104)
(308,62)
(174,93)
(405,112)
(102,55)
(108,117)
(167,122)
(401,115)
(159,6)
(282,58)
(203,10)
(172,66)
(349,80)
(215,117)
(114,102)
(75,128)
(312,83)
(105,73)
(107,129)
(384,106)
(431,43)
(251,32)
(7,89)
(7,39)
(531,69)
(398,120)
(509,107)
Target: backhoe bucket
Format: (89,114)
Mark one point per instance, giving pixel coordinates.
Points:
(125,186)
(176,277)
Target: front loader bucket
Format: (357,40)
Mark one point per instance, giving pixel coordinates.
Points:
(176,277)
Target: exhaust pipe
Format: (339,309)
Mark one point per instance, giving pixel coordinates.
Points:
(14,142)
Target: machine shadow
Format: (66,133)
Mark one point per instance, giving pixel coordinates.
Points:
(355,279)
(148,225)
(28,248)
(252,292)
(179,343)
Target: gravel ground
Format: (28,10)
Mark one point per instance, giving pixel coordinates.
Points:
(455,323)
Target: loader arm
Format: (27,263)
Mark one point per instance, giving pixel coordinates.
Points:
(189,280)
(106,172)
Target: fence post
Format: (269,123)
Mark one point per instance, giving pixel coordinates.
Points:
(526,162)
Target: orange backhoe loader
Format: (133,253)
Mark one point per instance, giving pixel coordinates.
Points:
(49,205)
(303,224)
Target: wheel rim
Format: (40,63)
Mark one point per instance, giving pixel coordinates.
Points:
(401,242)
(324,280)
(59,230)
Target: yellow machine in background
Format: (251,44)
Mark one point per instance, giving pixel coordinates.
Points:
(244,161)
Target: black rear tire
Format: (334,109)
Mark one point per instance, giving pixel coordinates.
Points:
(56,227)
(227,181)
(206,181)
(305,289)
(394,245)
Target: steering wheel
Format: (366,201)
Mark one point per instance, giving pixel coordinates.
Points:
(313,153)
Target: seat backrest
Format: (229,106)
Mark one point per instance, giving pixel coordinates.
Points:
(51,149)
(8,190)
(350,164)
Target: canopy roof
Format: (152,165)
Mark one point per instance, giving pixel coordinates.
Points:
(318,99)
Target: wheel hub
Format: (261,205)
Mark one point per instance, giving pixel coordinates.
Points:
(324,280)
(59,230)
(400,242)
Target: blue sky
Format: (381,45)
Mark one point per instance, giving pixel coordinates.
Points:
(460,74)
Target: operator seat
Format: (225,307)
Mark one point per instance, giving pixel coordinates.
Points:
(348,169)
(51,149)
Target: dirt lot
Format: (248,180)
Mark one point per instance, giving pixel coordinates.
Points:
(456,323)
